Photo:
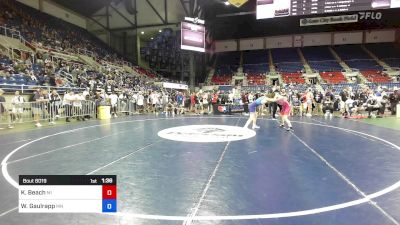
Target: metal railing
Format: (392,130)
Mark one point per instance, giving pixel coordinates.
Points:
(31,88)
(82,51)
(9,32)
(24,112)
(13,113)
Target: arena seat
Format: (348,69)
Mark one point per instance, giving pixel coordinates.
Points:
(325,66)
(320,53)
(287,60)
(256,79)
(375,76)
(295,78)
(333,77)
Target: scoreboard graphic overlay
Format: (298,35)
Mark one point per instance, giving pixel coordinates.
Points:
(278,8)
(193,37)
(67,194)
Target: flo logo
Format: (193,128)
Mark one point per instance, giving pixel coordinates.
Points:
(206,133)
(370,15)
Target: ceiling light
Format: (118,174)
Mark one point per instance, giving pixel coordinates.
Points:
(159,31)
(227,3)
(142,32)
(151,38)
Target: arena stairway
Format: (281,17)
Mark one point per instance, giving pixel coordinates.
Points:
(337,57)
(307,67)
(372,55)
(271,62)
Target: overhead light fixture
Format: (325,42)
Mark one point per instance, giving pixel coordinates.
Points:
(227,3)
(159,31)
(142,32)
(151,38)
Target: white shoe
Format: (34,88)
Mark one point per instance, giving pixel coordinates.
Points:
(308,115)
(10,126)
(256,127)
(38,125)
(52,123)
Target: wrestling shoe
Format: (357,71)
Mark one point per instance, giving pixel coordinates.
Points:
(255,127)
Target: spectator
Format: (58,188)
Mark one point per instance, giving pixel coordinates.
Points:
(54,105)
(394,99)
(18,107)
(69,98)
(114,102)
(39,106)
(3,108)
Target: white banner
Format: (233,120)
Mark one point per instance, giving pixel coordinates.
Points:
(175,86)
(329,20)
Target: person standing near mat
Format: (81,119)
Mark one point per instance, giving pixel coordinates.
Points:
(285,109)
(253,111)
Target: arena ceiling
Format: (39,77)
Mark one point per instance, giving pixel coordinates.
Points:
(128,15)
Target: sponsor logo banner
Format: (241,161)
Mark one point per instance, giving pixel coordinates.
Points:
(175,86)
(329,20)
(206,133)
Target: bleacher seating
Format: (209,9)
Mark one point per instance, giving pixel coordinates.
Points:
(387,52)
(351,52)
(227,64)
(384,50)
(255,62)
(295,78)
(221,79)
(321,59)
(321,53)
(364,64)
(333,77)
(355,57)
(256,79)
(287,60)
(375,76)
(393,62)
(256,68)
(325,66)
